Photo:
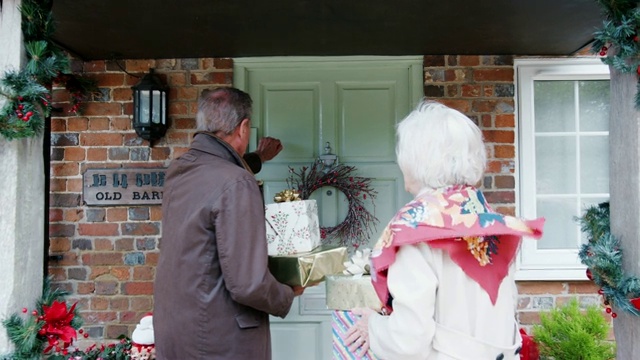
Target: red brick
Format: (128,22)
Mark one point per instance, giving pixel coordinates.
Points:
(505,210)
(129,317)
(183,93)
(77,124)
(528,317)
(58,245)
(65,169)
(464,106)
(73,215)
(456,75)
(85,288)
(484,106)
(99,124)
(140,228)
(178,108)
(55,215)
(582,287)
(152,258)
(96,154)
(103,244)
(155,213)
(99,317)
(98,229)
(74,154)
(124,244)
(504,151)
(143,273)
(102,258)
(99,303)
(121,273)
(178,138)
(505,182)
(121,123)
(470,90)
(138,288)
(122,94)
(115,331)
(223,63)
(109,80)
(505,121)
(100,139)
(102,109)
(116,214)
(94,66)
(140,65)
(499,136)
(469,60)
(119,303)
(141,303)
(98,271)
(177,79)
(58,125)
(160,153)
(59,96)
(212,78)
(58,185)
(500,197)
(501,74)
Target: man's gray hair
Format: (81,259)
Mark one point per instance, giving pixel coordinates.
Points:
(222,109)
(439,147)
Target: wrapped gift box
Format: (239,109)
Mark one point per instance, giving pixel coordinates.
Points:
(308,268)
(341,322)
(345,292)
(292,227)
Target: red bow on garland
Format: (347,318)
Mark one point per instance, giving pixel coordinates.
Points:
(57,327)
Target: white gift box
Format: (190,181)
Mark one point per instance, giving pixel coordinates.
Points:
(292,227)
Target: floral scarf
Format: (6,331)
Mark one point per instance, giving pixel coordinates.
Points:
(459,221)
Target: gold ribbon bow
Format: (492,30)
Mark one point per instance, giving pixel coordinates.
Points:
(287,195)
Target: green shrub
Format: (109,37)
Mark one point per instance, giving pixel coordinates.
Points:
(567,333)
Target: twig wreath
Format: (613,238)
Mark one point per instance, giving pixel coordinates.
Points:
(357,226)
(602,255)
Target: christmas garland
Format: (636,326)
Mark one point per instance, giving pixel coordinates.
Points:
(620,32)
(356,228)
(28,92)
(49,332)
(602,255)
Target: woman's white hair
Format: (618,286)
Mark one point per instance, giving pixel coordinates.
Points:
(438,147)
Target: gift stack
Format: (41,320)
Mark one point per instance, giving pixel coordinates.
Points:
(296,256)
(352,289)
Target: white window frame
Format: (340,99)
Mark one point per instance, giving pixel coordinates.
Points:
(534,263)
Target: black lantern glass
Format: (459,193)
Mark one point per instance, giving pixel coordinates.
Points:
(150,107)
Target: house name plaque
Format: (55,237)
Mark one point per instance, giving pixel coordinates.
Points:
(123,186)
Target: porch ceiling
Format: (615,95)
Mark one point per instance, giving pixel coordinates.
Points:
(136,29)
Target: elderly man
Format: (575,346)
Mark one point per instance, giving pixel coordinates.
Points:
(213,291)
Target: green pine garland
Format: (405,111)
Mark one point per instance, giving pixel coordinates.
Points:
(602,255)
(620,32)
(28,92)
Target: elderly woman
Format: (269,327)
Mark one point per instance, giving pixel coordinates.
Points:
(444,265)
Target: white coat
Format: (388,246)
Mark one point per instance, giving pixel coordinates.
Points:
(439,313)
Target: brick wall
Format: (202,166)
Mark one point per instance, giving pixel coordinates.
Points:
(109,253)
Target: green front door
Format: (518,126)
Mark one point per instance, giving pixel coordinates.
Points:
(353,104)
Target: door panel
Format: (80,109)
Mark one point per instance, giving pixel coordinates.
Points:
(354,104)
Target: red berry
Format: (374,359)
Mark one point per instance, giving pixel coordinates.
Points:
(29,113)
(24,310)
(34,313)
(614,315)
(589,274)
(638,70)
(608,310)
(19,113)
(635,38)
(20,98)
(603,53)
(80,331)
(86,335)
(20,107)
(600,292)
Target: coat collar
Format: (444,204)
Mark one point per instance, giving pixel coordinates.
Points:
(209,143)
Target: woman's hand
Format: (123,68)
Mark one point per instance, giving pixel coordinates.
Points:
(357,337)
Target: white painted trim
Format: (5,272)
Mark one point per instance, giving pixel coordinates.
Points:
(532,263)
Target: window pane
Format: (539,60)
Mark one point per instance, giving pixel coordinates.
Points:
(594,164)
(554,106)
(594,105)
(555,164)
(560,227)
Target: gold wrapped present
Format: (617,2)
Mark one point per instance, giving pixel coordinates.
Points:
(308,268)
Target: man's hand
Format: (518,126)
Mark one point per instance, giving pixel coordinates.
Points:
(297,290)
(268,148)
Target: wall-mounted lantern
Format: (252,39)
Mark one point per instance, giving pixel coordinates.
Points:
(150,107)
